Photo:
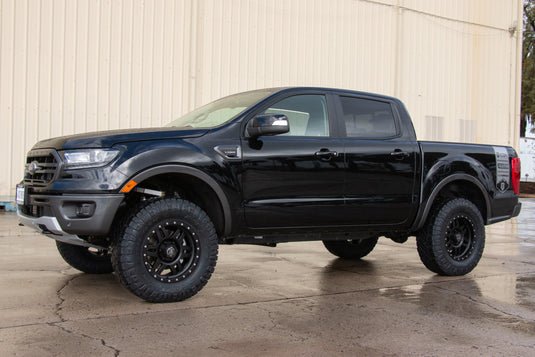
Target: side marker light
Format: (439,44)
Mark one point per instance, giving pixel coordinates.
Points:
(129,186)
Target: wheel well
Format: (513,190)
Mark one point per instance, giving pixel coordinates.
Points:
(462,189)
(187,187)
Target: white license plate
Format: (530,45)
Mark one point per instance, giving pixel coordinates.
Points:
(19,199)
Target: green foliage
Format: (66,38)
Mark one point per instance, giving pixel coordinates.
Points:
(528,65)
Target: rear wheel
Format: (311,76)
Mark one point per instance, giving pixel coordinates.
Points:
(88,260)
(167,252)
(453,239)
(351,248)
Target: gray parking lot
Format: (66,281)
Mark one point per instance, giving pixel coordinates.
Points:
(293,300)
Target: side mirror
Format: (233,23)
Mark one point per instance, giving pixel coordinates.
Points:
(267,124)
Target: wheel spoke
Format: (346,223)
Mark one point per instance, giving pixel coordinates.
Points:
(174,270)
(169,252)
(180,239)
(459,238)
(176,235)
(160,236)
(159,266)
(186,252)
(151,253)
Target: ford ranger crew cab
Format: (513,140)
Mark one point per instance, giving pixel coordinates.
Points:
(263,167)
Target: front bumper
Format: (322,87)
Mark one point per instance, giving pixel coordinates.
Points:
(89,214)
(50,227)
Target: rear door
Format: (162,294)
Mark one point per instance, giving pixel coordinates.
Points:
(380,179)
(295,179)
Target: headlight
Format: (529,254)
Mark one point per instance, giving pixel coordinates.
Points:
(81,159)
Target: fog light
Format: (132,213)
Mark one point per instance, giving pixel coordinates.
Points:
(84,210)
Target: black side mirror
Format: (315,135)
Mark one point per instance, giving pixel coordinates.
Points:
(267,124)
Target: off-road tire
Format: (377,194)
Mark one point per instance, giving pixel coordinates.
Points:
(88,260)
(453,238)
(351,248)
(167,250)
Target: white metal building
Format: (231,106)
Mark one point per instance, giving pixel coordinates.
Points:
(70,66)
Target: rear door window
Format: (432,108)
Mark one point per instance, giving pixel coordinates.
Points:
(366,118)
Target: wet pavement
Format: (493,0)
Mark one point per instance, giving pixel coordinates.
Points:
(293,300)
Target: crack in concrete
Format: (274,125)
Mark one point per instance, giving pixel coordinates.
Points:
(271,318)
(58,313)
(255,302)
(116,351)
(496,309)
(59,292)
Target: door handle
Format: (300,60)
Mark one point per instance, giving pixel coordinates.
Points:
(325,154)
(399,154)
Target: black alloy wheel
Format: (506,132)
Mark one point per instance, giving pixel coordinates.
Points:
(459,238)
(171,251)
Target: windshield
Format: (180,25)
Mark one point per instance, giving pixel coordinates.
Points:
(220,111)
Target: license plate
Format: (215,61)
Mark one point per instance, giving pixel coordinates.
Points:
(21,191)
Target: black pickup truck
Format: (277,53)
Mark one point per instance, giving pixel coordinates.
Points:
(263,167)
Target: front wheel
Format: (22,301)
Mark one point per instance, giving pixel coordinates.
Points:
(167,251)
(351,248)
(88,260)
(453,239)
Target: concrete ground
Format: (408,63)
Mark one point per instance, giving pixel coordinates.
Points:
(293,300)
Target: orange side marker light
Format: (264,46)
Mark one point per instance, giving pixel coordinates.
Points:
(129,186)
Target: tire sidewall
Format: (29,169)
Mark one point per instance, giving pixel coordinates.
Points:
(351,249)
(79,257)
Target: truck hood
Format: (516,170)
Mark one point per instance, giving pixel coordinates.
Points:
(104,139)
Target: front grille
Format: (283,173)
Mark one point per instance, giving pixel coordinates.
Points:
(41,167)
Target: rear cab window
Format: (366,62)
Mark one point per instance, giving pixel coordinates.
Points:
(368,118)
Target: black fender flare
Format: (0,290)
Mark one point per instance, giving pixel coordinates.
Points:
(181,169)
(425,207)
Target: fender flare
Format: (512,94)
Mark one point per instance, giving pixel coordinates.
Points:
(424,212)
(180,169)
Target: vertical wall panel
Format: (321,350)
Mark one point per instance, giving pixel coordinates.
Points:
(32,84)
(20,56)
(7,23)
(74,66)
(69,68)
(81,31)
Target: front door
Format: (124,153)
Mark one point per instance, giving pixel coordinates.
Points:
(295,179)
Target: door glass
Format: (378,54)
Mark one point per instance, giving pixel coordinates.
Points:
(307,114)
(365,118)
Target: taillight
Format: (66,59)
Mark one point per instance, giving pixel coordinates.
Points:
(515,173)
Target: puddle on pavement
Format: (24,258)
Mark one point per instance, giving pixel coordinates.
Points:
(525,291)
(509,289)
(411,293)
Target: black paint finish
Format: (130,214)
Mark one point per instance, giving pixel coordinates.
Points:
(287,185)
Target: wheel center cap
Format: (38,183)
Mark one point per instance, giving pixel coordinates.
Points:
(458,237)
(170,252)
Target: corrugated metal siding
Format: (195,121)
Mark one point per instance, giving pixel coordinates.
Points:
(74,66)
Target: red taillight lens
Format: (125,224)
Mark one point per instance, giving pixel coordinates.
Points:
(515,173)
